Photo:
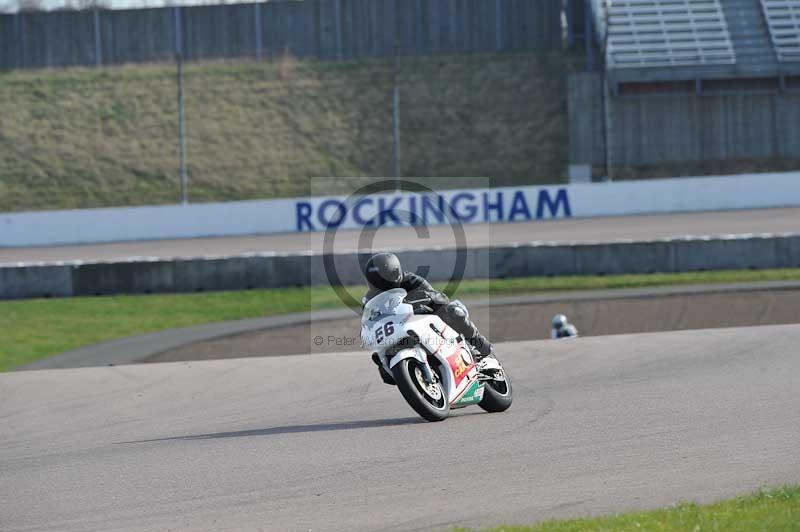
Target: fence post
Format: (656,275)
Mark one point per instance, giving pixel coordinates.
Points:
(397,167)
(337,6)
(98,58)
(257,7)
(176,17)
(177,28)
(182,134)
(569,9)
(19,40)
(588,35)
(419,26)
(777,118)
(608,116)
(498,15)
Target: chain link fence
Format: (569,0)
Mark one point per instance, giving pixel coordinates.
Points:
(673,130)
(86,137)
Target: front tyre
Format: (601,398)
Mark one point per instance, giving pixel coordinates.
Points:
(497,394)
(428,400)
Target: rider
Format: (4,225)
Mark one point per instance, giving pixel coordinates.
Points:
(562,328)
(384,272)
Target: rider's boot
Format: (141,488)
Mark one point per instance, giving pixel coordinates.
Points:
(481,345)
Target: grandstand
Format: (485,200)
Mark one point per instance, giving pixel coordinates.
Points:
(680,40)
(783,20)
(650,34)
(694,84)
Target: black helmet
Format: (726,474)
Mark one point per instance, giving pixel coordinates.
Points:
(383,271)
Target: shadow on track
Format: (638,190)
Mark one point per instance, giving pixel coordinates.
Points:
(291,429)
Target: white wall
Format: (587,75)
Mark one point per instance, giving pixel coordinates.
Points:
(509,204)
(687,194)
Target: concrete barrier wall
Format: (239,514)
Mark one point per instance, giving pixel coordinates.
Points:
(465,206)
(276,271)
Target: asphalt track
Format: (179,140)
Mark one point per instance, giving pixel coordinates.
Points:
(589,230)
(509,318)
(595,313)
(598,425)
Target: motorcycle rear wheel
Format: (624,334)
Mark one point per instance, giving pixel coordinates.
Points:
(428,400)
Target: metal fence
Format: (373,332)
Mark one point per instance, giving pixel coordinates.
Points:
(305,28)
(85,137)
(714,130)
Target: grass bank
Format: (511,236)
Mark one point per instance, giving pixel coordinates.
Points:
(37,328)
(767,510)
(82,137)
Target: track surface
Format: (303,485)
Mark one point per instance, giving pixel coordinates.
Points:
(581,230)
(509,318)
(516,319)
(318,443)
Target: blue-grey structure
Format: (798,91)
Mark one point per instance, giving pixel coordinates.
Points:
(327,29)
(688,80)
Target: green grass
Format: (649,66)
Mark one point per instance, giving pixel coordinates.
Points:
(83,137)
(774,510)
(37,328)
(86,137)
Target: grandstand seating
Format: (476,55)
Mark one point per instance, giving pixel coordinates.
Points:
(783,20)
(667,33)
(755,55)
(696,40)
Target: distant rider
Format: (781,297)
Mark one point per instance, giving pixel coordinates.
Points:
(562,328)
(384,272)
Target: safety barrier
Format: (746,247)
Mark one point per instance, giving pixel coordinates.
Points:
(286,270)
(389,209)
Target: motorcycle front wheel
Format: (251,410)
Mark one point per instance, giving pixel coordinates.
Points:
(428,400)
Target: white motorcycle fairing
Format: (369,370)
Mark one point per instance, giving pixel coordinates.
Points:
(387,326)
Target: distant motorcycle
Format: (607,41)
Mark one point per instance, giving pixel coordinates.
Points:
(433,366)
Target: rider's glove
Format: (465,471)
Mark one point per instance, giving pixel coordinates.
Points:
(438,298)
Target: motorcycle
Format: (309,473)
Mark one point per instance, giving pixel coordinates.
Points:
(434,368)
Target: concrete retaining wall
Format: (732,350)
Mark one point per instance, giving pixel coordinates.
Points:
(275,271)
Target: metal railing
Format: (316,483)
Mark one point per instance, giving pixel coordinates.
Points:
(783,20)
(663,33)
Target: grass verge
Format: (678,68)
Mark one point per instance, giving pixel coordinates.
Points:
(38,328)
(766,510)
(86,137)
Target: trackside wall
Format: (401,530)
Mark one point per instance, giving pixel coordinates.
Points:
(496,205)
(285,270)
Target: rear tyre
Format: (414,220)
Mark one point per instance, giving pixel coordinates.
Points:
(428,400)
(497,394)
